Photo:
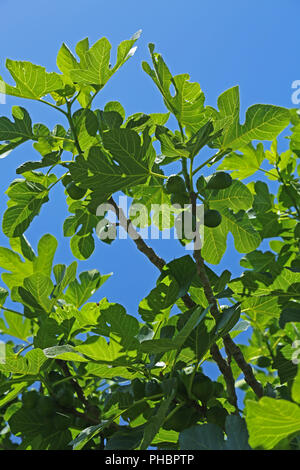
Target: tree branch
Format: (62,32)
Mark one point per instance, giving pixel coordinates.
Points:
(225,369)
(136,237)
(79,392)
(230,346)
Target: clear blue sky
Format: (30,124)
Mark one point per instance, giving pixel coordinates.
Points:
(219,43)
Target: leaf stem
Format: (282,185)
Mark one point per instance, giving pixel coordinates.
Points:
(53,106)
(207,161)
(17,313)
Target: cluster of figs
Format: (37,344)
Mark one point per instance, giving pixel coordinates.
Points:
(177,189)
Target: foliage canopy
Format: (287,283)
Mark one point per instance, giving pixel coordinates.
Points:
(87,375)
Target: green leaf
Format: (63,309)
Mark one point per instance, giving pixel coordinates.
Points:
(46,250)
(122,325)
(202,437)
(81,226)
(196,318)
(263,121)
(20,128)
(245,163)
(116,107)
(261,310)
(156,199)
(108,372)
(94,67)
(155,422)
(11,261)
(289,314)
(270,420)
(24,365)
(17,326)
(237,197)
(165,344)
(229,317)
(26,199)
(86,127)
(15,390)
(246,239)
(158,303)
(79,292)
(99,350)
(171,146)
(82,247)
(63,276)
(237,433)
(124,439)
(296,387)
(3,295)
(65,60)
(163,436)
(259,261)
(287,369)
(188,102)
(40,287)
(32,81)
(64,352)
(157,346)
(48,160)
(17,132)
(87,434)
(37,433)
(133,158)
(183,270)
(22,246)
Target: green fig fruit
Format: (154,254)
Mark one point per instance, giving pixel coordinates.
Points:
(30,399)
(65,397)
(200,183)
(180,198)
(152,388)
(212,218)
(138,388)
(218,390)
(297,230)
(217,415)
(175,184)
(263,361)
(202,387)
(218,180)
(183,418)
